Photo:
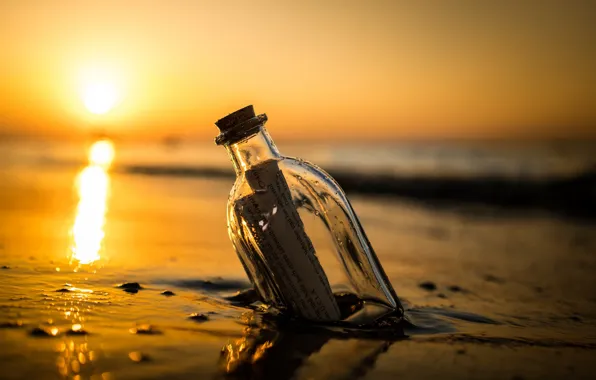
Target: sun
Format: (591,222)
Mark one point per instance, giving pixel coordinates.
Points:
(100,87)
(100,97)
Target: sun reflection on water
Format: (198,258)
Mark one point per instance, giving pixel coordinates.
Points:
(101,154)
(93,184)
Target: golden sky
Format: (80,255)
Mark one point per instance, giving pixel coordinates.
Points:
(349,69)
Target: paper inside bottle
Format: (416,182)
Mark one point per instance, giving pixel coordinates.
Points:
(279,236)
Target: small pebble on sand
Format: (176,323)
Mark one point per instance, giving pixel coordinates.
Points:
(428,285)
(137,356)
(198,317)
(44,332)
(130,287)
(77,329)
(495,279)
(455,288)
(168,293)
(11,324)
(144,329)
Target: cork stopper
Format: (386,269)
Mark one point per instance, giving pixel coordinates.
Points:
(238,117)
(238,125)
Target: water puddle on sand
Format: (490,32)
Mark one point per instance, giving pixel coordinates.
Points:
(206,326)
(114,323)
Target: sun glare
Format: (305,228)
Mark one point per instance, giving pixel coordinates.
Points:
(99,98)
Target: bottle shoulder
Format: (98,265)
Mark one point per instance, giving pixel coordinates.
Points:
(297,172)
(309,174)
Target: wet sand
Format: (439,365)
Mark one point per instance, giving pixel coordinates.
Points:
(487,294)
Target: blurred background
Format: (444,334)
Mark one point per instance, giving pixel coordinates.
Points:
(479,94)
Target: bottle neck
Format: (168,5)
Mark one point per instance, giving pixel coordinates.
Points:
(252,150)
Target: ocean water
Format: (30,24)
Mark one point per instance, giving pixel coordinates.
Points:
(494,286)
(432,158)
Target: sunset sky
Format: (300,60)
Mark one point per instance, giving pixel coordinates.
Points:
(349,69)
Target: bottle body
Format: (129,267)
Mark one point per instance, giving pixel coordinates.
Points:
(300,241)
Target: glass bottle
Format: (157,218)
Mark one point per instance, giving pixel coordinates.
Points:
(297,235)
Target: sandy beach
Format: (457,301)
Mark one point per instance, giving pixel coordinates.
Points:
(488,293)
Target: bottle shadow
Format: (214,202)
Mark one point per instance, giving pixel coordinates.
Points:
(282,353)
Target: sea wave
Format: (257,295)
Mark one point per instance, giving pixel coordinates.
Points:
(570,195)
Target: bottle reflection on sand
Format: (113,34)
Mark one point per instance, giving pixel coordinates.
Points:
(93,184)
(269,353)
